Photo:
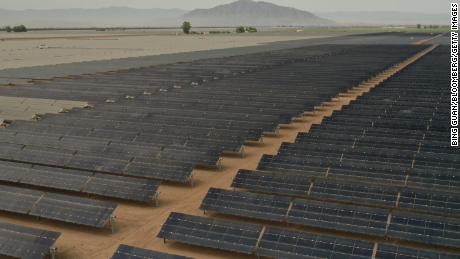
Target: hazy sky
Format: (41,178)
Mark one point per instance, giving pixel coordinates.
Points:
(425,6)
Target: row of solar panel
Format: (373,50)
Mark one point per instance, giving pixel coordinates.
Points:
(367,170)
(275,242)
(355,148)
(103,185)
(293,169)
(342,217)
(129,76)
(156,168)
(407,161)
(159,135)
(312,213)
(103,149)
(301,185)
(26,243)
(369,139)
(59,207)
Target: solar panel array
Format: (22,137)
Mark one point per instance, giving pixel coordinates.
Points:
(26,243)
(64,208)
(131,252)
(148,123)
(382,167)
(159,123)
(341,217)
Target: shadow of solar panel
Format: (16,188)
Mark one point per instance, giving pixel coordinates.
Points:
(398,252)
(259,206)
(283,243)
(437,201)
(74,210)
(426,229)
(269,182)
(219,234)
(371,221)
(356,192)
(24,242)
(131,252)
(126,188)
(18,200)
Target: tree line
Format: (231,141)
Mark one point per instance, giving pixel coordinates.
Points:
(19,28)
(187,27)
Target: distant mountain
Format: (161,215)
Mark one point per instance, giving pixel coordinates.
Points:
(101,17)
(386,18)
(248,12)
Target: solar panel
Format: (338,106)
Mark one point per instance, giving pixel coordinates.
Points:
(283,243)
(213,233)
(354,219)
(385,251)
(259,206)
(27,243)
(361,193)
(55,178)
(131,252)
(58,207)
(268,182)
(17,200)
(425,229)
(432,201)
(127,188)
(173,173)
(74,210)
(112,186)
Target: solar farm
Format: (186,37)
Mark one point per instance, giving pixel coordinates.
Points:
(337,148)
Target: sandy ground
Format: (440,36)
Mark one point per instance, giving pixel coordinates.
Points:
(138,225)
(49,48)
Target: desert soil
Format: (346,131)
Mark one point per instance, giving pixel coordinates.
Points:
(46,49)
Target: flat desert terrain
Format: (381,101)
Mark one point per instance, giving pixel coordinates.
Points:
(51,48)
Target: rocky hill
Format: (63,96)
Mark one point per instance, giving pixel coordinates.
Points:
(248,12)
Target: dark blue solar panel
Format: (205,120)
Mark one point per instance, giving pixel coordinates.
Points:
(250,205)
(24,242)
(131,252)
(283,243)
(385,251)
(426,229)
(219,234)
(371,221)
